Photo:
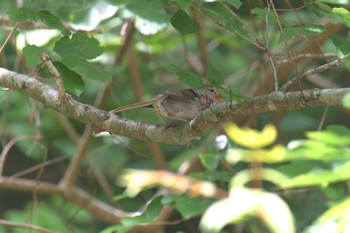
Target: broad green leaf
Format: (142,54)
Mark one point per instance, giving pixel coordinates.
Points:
(262,13)
(334,191)
(151,212)
(80,45)
(236,3)
(187,206)
(342,13)
(334,135)
(188,77)
(86,69)
(24,14)
(76,50)
(342,44)
(346,101)
(21,15)
(150,16)
(71,80)
(224,18)
(182,22)
(32,55)
(52,21)
(319,177)
(209,160)
(214,76)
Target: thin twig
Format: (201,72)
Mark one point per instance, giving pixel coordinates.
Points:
(8,147)
(269,54)
(8,37)
(309,73)
(52,69)
(25,226)
(285,42)
(308,55)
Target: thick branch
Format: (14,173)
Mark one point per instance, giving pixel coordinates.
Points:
(173,135)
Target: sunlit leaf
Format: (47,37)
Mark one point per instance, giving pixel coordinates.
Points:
(346,101)
(268,206)
(251,138)
(343,13)
(275,213)
(335,219)
(273,155)
(320,177)
(334,135)
(229,210)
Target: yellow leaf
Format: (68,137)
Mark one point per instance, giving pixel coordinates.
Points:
(251,138)
(273,155)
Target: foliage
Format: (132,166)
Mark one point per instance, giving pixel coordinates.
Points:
(290,176)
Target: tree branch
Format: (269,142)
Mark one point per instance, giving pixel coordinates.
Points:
(97,208)
(180,135)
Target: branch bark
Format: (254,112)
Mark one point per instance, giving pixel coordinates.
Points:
(180,135)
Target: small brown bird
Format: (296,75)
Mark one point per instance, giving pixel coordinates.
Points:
(178,105)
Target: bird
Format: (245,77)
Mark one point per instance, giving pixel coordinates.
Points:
(178,105)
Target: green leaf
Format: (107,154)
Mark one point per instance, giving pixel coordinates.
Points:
(319,177)
(80,45)
(343,14)
(21,15)
(76,50)
(236,3)
(334,134)
(150,16)
(182,22)
(209,160)
(151,213)
(346,101)
(24,14)
(52,21)
(71,80)
(261,14)
(214,76)
(334,191)
(307,30)
(187,206)
(188,77)
(86,69)
(32,55)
